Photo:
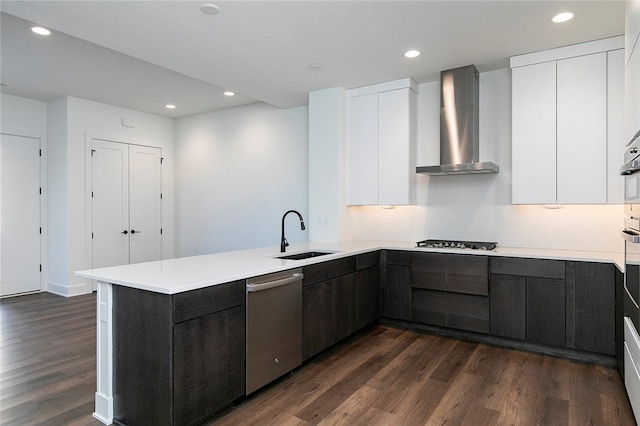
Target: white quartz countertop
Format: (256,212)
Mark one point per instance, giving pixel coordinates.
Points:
(190,273)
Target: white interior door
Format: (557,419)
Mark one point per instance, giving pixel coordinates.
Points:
(19,214)
(144,203)
(110,203)
(126,203)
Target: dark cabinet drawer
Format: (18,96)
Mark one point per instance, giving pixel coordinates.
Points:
(367,260)
(453,310)
(205,301)
(451,273)
(324,271)
(525,267)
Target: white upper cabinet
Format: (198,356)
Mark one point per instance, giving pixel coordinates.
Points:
(566,111)
(381,144)
(534,134)
(582,130)
(362,149)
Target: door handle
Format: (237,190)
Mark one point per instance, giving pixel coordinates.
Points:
(125,232)
(133,231)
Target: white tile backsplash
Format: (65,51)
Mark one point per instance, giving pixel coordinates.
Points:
(479,208)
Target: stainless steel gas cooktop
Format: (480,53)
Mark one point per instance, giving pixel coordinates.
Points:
(452,244)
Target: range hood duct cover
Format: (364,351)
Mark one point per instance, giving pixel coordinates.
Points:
(459,116)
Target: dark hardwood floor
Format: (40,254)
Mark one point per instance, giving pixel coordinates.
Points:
(383,376)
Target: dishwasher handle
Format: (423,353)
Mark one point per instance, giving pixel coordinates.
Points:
(630,236)
(275,283)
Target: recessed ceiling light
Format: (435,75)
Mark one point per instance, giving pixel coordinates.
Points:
(41,31)
(412,53)
(562,17)
(315,67)
(229,93)
(170,106)
(210,9)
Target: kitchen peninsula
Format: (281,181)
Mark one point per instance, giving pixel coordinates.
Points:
(170,302)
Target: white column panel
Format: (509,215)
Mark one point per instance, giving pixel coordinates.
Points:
(534,134)
(582,129)
(615,126)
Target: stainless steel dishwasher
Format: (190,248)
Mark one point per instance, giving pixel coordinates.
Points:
(274,327)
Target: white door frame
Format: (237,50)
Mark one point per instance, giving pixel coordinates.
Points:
(29,133)
(89,137)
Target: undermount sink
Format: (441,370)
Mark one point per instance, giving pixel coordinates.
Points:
(304,255)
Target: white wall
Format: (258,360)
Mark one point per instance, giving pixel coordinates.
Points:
(478,207)
(237,172)
(72,122)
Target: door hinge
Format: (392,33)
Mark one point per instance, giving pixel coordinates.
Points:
(41,267)
(40,190)
(91,194)
(161,195)
(93,152)
(161,160)
(161,231)
(92,235)
(39,153)
(41,229)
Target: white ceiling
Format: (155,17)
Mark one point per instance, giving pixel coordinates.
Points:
(144,54)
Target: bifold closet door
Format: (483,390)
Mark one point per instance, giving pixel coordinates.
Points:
(126,203)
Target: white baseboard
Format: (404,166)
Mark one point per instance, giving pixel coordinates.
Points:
(104,409)
(68,291)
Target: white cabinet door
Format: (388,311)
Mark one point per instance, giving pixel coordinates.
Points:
(19,214)
(534,134)
(632,70)
(394,145)
(362,150)
(126,203)
(615,126)
(380,145)
(582,129)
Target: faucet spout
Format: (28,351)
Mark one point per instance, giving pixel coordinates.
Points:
(283,241)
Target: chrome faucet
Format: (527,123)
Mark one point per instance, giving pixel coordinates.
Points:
(283,241)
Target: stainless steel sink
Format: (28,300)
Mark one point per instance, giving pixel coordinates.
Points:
(304,255)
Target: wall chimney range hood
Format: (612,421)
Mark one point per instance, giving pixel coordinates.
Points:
(459,115)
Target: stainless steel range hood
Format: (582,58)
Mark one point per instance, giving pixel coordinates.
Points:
(459,115)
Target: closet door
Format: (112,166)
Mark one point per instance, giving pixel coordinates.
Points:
(144,203)
(110,203)
(19,214)
(126,203)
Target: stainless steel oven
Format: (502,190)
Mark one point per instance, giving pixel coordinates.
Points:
(631,234)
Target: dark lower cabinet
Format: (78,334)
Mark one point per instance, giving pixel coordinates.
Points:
(340,305)
(546,311)
(178,359)
(591,301)
(317,318)
(345,306)
(207,372)
(368,283)
(553,302)
(508,306)
(395,288)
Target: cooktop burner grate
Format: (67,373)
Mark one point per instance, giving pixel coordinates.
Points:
(452,244)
